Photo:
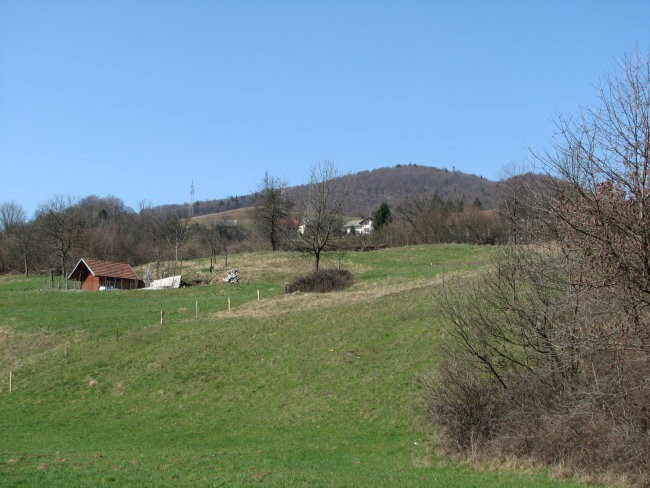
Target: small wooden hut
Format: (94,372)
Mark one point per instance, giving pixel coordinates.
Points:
(94,275)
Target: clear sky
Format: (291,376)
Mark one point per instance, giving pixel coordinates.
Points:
(138,98)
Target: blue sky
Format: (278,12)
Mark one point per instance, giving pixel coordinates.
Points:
(137,99)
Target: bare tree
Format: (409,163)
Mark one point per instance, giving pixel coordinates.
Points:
(519,205)
(62,228)
(321,212)
(152,222)
(272,209)
(554,345)
(25,235)
(177,231)
(601,203)
(216,238)
(18,235)
(424,218)
(11,214)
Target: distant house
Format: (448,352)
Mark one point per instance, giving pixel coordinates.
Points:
(352,226)
(94,275)
(366,225)
(359,226)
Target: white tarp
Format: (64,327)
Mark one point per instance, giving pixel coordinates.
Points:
(165,283)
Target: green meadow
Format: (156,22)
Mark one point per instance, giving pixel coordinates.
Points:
(291,390)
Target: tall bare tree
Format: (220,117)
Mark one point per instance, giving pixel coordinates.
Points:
(601,203)
(554,346)
(272,209)
(12,229)
(321,212)
(177,232)
(216,238)
(11,214)
(25,238)
(62,228)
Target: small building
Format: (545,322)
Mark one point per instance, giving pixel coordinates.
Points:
(366,225)
(359,226)
(94,275)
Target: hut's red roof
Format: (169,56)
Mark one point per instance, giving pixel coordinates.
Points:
(108,269)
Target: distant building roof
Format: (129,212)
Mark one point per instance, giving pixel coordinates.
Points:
(353,223)
(104,268)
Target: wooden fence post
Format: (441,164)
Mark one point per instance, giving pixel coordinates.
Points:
(229,304)
(196,313)
(258,294)
(11,381)
(162,314)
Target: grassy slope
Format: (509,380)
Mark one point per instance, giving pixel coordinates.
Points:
(301,390)
(243,216)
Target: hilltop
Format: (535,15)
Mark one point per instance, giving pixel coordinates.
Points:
(394,185)
(371,188)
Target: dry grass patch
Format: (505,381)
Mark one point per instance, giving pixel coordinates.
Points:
(242,215)
(254,267)
(278,266)
(359,293)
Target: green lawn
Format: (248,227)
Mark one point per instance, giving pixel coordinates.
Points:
(293,390)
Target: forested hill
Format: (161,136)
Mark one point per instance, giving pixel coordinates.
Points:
(394,185)
(390,185)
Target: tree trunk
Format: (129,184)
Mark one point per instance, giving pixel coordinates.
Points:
(63,276)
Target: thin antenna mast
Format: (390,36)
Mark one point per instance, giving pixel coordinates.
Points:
(191,212)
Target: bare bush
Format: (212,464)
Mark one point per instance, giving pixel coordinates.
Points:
(554,341)
(434,220)
(322,280)
(541,367)
(601,208)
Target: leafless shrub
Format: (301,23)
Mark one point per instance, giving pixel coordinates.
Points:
(540,367)
(323,280)
(554,341)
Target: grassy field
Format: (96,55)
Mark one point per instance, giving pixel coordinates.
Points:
(243,216)
(292,390)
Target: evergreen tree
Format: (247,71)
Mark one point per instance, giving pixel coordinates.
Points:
(381,217)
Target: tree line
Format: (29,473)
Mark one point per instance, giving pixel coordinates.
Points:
(64,228)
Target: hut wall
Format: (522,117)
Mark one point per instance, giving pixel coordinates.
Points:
(117,283)
(90,283)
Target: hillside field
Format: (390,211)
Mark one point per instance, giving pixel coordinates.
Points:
(243,216)
(291,390)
